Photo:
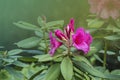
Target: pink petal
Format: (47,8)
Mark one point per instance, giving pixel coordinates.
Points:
(70,28)
(60,34)
(88,38)
(54,44)
(83,46)
(82,40)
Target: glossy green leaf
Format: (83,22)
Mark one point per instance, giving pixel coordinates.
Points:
(41,22)
(26,25)
(91,70)
(118,58)
(53,72)
(82,58)
(55,23)
(43,58)
(29,42)
(108,52)
(117,71)
(17,74)
(14,51)
(39,33)
(8,60)
(20,64)
(112,37)
(67,68)
(98,58)
(95,23)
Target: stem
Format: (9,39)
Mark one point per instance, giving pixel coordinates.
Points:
(105,54)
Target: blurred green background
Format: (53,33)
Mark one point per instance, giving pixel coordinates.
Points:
(28,10)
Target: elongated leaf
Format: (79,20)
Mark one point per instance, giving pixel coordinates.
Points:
(14,51)
(43,58)
(39,33)
(94,72)
(118,58)
(29,42)
(20,64)
(95,23)
(67,68)
(89,69)
(17,74)
(33,52)
(53,72)
(82,58)
(98,58)
(55,23)
(108,52)
(41,22)
(113,37)
(26,25)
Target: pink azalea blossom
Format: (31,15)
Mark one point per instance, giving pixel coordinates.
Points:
(54,44)
(105,8)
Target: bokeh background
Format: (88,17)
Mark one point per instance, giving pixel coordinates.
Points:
(29,10)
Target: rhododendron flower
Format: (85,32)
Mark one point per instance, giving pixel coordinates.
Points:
(80,39)
(54,44)
(105,8)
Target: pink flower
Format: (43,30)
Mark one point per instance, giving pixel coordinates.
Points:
(82,40)
(105,8)
(54,44)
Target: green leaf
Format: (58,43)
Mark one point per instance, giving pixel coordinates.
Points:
(26,25)
(85,67)
(20,64)
(95,23)
(8,60)
(67,68)
(53,72)
(39,33)
(112,37)
(41,22)
(118,58)
(55,23)
(91,70)
(98,58)
(29,42)
(108,52)
(14,51)
(18,75)
(82,58)
(117,71)
(43,58)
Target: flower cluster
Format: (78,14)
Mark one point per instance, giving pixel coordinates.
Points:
(105,8)
(80,39)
